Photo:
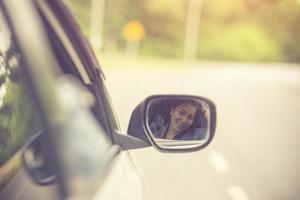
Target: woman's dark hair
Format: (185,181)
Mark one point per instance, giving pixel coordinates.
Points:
(187,101)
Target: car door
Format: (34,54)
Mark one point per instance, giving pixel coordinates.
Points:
(120,178)
(20,120)
(60,138)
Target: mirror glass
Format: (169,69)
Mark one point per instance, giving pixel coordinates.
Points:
(175,122)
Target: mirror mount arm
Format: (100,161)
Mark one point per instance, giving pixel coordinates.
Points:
(128,142)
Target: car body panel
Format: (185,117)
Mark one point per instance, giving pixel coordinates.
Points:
(121,180)
(21,187)
(122,177)
(83,141)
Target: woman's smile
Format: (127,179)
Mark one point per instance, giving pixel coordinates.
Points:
(180,126)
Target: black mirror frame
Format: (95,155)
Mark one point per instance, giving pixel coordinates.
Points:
(213,121)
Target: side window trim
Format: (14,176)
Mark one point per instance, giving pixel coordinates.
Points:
(112,114)
(78,64)
(65,41)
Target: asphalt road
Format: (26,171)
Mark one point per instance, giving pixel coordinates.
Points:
(255,153)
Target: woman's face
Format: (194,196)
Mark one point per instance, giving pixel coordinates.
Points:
(182,117)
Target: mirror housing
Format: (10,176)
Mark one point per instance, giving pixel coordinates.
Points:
(139,125)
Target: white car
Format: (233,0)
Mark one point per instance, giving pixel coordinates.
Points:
(59,136)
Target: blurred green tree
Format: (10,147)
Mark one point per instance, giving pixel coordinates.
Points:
(238,30)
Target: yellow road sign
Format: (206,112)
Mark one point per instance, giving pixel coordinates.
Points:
(133,31)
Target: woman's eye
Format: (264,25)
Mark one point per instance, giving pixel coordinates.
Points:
(181,112)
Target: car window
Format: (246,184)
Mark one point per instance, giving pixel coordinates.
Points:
(102,89)
(66,50)
(69,59)
(19,118)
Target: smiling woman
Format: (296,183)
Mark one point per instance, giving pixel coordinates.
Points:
(182,119)
(182,116)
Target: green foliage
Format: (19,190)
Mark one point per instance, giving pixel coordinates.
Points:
(19,122)
(116,15)
(273,37)
(238,42)
(158,17)
(237,30)
(223,11)
(81,11)
(19,118)
(281,19)
(156,47)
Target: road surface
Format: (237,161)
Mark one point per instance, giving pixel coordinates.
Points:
(255,153)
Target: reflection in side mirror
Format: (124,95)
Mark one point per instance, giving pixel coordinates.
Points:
(180,122)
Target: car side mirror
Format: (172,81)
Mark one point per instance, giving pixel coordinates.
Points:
(35,162)
(174,123)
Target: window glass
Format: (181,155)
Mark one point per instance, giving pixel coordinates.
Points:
(18,113)
(63,52)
